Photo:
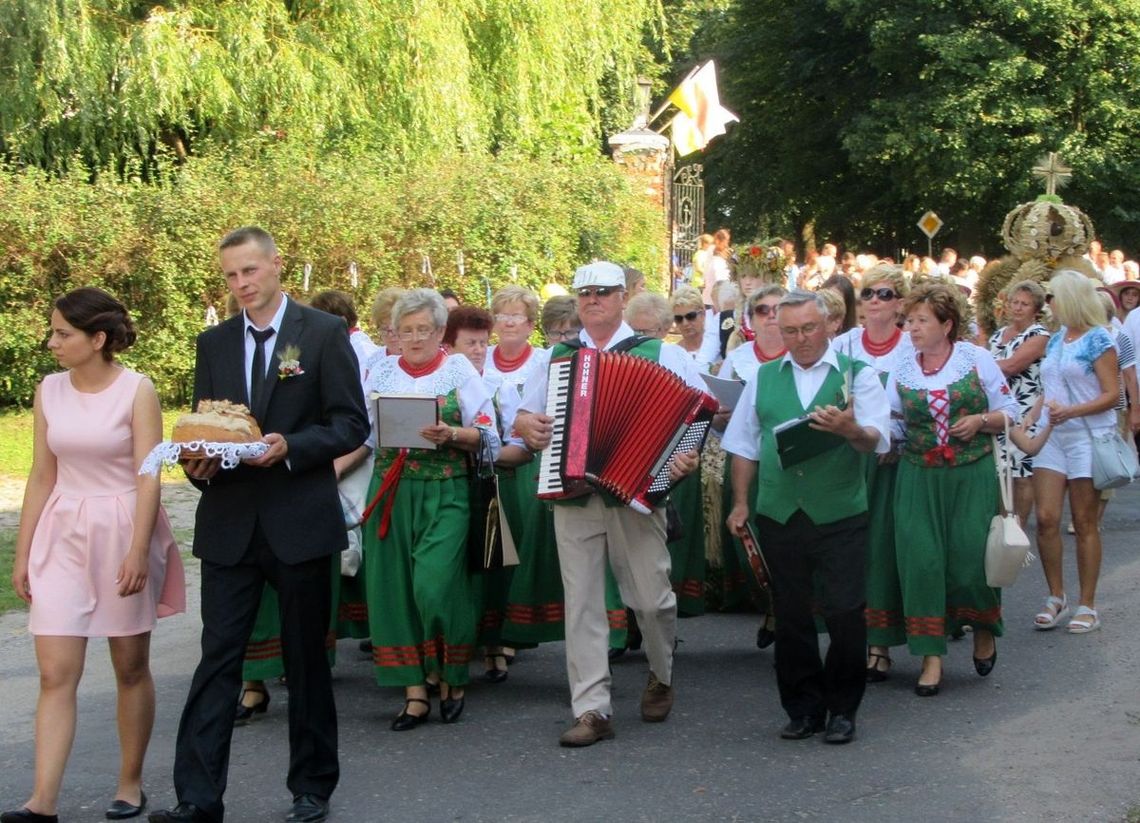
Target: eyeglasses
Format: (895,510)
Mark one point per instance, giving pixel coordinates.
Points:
(807,330)
(559,335)
(410,335)
(883,294)
(645,332)
(763,310)
(598,291)
(690,316)
(508,319)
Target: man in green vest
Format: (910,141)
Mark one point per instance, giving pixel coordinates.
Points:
(811,513)
(590,529)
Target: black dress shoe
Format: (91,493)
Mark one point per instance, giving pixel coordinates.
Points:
(985,665)
(765,637)
(182,813)
(308,808)
(405,720)
(924,690)
(243,714)
(122,810)
(614,654)
(450,709)
(23,815)
(840,729)
(801,728)
(494,674)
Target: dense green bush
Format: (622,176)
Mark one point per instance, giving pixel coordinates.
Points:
(154,245)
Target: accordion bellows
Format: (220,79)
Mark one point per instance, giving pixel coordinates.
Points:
(619,419)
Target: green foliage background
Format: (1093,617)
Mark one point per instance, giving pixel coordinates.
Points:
(154,245)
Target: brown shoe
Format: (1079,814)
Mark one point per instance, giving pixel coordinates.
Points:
(656,700)
(587,730)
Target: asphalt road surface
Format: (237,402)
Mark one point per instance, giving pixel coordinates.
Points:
(1052,734)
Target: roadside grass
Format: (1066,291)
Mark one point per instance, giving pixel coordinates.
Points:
(8,599)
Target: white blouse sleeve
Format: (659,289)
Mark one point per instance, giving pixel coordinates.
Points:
(742,436)
(998,396)
(477,409)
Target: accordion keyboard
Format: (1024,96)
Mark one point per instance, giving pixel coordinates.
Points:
(557,402)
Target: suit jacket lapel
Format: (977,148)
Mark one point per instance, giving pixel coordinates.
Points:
(289,335)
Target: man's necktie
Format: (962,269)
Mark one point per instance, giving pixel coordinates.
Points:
(257,373)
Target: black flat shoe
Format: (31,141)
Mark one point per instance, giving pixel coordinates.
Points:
(924,690)
(122,810)
(765,637)
(840,729)
(405,720)
(493,674)
(450,709)
(985,665)
(802,728)
(25,816)
(874,673)
(244,714)
(308,808)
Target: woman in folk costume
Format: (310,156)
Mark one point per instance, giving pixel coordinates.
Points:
(421,600)
(881,344)
(951,395)
(742,363)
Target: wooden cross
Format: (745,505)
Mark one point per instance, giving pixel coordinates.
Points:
(1053,171)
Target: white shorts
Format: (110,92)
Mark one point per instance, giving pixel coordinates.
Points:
(1067,452)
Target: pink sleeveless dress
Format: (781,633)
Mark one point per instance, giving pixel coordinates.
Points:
(84,531)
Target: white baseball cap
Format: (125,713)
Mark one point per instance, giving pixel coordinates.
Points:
(599,273)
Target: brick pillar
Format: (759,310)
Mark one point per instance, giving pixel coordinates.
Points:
(643,155)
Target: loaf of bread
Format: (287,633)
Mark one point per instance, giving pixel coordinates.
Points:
(217,421)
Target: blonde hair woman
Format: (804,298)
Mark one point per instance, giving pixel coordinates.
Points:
(1079,382)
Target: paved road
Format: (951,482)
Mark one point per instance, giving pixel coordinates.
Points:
(1052,734)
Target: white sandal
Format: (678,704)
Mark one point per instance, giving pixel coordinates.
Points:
(1056,609)
(1084,621)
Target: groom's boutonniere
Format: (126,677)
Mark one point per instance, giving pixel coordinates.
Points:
(290,358)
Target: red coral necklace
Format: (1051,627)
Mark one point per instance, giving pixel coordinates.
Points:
(931,372)
(427,368)
(510,364)
(879,349)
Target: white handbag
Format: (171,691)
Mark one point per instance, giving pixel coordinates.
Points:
(1007,545)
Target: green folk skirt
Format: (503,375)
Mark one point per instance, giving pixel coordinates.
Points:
(421,598)
(884,612)
(942,517)
(687,555)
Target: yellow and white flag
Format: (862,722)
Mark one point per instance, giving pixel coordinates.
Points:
(702,116)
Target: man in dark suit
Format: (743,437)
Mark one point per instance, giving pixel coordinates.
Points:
(276,518)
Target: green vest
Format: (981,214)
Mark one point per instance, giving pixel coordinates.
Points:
(828,487)
(650,350)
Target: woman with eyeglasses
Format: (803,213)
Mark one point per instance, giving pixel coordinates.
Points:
(950,394)
(881,344)
(508,602)
(421,598)
(1019,347)
(1079,377)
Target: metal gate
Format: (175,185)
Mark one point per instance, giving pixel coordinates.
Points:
(688,199)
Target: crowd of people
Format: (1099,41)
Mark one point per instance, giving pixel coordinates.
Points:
(877,536)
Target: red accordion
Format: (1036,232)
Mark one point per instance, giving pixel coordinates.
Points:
(618,421)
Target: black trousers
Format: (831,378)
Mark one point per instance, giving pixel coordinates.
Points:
(799,553)
(230,599)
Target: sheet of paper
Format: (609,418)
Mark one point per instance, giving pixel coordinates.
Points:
(726,391)
(400,417)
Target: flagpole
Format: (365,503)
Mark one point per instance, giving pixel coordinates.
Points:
(666,104)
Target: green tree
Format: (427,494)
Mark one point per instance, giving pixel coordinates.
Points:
(857,116)
(109,81)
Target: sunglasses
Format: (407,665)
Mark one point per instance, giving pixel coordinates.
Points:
(598,291)
(690,316)
(883,294)
(763,310)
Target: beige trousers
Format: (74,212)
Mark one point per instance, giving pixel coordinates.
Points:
(635,546)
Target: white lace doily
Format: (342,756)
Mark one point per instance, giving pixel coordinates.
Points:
(231,454)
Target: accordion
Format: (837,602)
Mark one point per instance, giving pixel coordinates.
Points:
(618,421)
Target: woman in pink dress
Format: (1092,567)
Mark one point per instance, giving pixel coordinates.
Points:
(95,556)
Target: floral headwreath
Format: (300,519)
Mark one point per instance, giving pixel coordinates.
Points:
(767,263)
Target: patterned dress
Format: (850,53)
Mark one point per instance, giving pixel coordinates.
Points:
(421,597)
(945,496)
(1026,388)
